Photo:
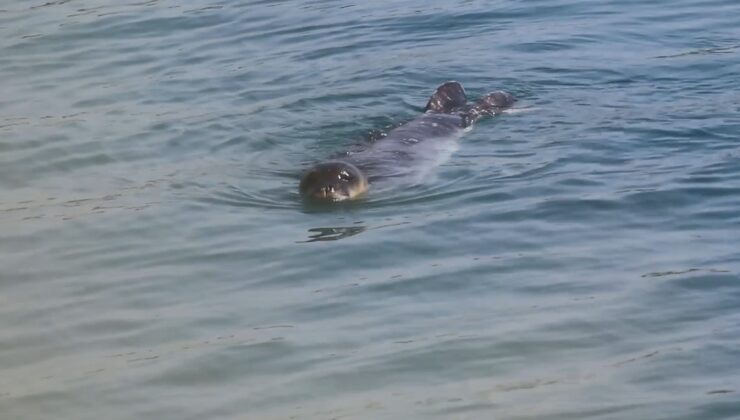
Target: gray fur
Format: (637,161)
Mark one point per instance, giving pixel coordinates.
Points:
(410,149)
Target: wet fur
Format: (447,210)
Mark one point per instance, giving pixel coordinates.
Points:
(447,114)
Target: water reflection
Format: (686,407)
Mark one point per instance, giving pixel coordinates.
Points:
(333,233)
(341,232)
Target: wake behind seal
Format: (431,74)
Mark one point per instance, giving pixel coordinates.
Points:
(419,142)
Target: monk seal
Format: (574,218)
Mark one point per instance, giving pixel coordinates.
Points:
(422,140)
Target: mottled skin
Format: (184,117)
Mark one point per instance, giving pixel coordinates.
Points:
(446,116)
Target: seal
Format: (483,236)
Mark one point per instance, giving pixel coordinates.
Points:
(418,144)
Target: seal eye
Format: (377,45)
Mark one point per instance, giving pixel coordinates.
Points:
(345,176)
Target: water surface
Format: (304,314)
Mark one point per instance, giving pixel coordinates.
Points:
(577,261)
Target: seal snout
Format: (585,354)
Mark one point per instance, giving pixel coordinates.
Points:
(326,191)
(333,181)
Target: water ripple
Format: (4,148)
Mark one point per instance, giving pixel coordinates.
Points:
(153,243)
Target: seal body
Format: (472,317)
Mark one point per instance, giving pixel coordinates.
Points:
(410,149)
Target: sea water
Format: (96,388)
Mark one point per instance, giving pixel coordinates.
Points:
(576,261)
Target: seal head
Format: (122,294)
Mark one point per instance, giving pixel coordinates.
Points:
(333,181)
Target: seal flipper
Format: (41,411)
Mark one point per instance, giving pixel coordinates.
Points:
(446,98)
(496,102)
(491,104)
